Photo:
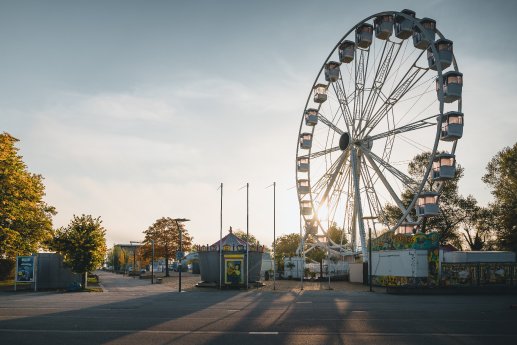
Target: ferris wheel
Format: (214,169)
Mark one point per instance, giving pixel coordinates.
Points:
(389,90)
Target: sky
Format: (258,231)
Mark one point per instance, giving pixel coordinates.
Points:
(137,110)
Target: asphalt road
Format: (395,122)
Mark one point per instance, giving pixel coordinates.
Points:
(133,311)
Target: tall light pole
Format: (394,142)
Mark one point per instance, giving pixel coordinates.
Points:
(178,221)
(274,234)
(152,263)
(221,240)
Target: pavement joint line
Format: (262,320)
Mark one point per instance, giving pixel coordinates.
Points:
(382,334)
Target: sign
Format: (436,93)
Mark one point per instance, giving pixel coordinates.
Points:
(233,267)
(25,269)
(179,255)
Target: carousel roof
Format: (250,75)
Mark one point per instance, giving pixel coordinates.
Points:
(230,240)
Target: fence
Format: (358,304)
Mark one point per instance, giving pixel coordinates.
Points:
(479,274)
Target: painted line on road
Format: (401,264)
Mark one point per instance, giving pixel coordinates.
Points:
(264,333)
(308,302)
(381,334)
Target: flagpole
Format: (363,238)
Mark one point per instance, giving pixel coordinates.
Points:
(220,241)
(274,235)
(247,234)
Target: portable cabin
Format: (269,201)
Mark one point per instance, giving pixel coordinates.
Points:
(364,35)
(332,71)
(452,86)
(311,117)
(306,207)
(407,228)
(444,49)
(302,164)
(383,26)
(305,140)
(422,39)
(303,186)
(444,166)
(346,51)
(403,25)
(452,126)
(427,204)
(320,93)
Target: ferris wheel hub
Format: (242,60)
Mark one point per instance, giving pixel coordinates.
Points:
(344,141)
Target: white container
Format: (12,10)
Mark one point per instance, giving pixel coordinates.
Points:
(478,256)
(356,273)
(400,263)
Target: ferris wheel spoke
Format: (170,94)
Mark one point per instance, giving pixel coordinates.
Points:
(329,123)
(361,72)
(407,82)
(323,181)
(408,181)
(389,55)
(406,128)
(374,204)
(321,153)
(392,193)
(332,178)
(343,101)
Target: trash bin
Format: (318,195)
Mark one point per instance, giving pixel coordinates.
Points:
(159,280)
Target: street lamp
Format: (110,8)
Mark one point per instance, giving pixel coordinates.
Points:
(180,220)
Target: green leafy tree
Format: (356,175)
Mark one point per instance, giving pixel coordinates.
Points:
(457,213)
(286,246)
(252,239)
(318,254)
(82,244)
(501,176)
(25,219)
(165,233)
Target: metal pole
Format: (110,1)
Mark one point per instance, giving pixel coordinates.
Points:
(301,251)
(247,234)
(181,255)
(152,263)
(134,261)
(370,257)
(220,241)
(274,235)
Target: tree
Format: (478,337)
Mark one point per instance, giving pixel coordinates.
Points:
(242,235)
(82,244)
(25,219)
(165,233)
(456,211)
(286,246)
(501,176)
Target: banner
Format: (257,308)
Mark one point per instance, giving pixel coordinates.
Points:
(25,269)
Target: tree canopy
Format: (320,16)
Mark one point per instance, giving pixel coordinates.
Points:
(82,244)
(456,211)
(252,240)
(501,177)
(165,233)
(25,219)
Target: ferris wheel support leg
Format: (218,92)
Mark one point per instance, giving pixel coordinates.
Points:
(357,202)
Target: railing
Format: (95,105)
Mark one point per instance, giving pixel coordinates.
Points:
(478,274)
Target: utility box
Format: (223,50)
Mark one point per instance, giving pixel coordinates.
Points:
(400,263)
(356,273)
